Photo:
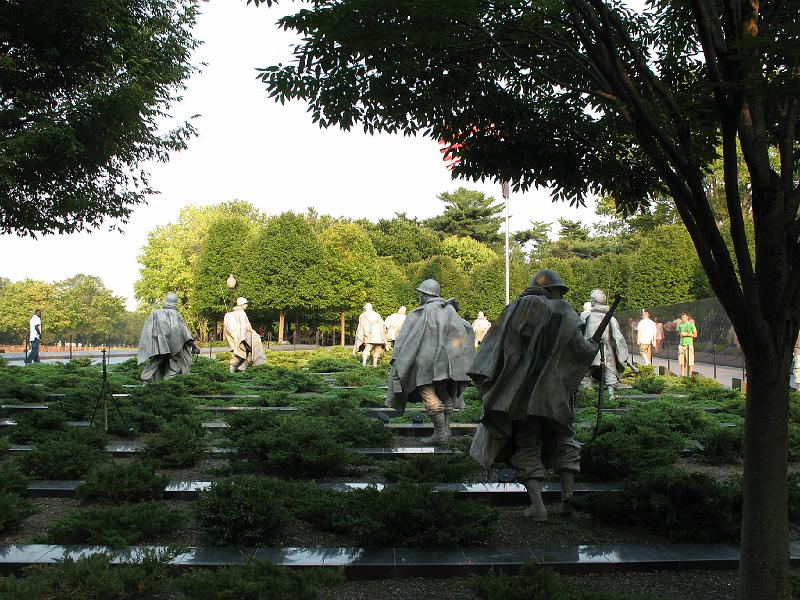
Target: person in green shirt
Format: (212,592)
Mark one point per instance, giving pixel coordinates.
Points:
(687,332)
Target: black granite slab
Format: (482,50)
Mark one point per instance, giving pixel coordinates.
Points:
(11,408)
(425,429)
(417,562)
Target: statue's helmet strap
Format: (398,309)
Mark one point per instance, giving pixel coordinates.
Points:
(547,278)
(430,287)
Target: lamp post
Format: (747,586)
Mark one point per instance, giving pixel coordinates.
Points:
(231,283)
(505,186)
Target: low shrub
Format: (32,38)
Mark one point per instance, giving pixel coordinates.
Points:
(14,510)
(532,583)
(148,409)
(38,425)
(295,447)
(331,365)
(620,454)
(363,397)
(363,377)
(723,445)
(652,384)
(257,580)
(12,479)
(280,378)
(432,469)
(179,444)
(127,482)
(685,507)
(91,578)
(66,458)
(404,514)
(116,526)
(244,510)
(349,425)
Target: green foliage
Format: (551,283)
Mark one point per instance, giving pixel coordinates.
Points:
(284,262)
(244,510)
(469,213)
(12,479)
(652,384)
(467,252)
(257,580)
(93,577)
(667,269)
(274,377)
(402,239)
(620,454)
(532,583)
(432,469)
(125,482)
(84,121)
(13,511)
(444,270)
(179,444)
(351,262)
(291,446)
(403,515)
(220,255)
(347,424)
(116,526)
(67,458)
(723,445)
(487,286)
(686,507)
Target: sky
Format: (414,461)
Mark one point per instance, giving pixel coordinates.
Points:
(271,155)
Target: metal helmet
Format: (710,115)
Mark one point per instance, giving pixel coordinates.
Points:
(171,299)
(402,310)
(547,278)
(430,287)
(368,307)
(481,315)
(598,296)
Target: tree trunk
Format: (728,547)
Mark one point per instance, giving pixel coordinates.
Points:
(764,565)
(296,327)
(281,320)
(341,323)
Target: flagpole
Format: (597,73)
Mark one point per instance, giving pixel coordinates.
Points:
(506,194)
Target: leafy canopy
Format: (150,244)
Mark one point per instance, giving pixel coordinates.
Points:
(84,85)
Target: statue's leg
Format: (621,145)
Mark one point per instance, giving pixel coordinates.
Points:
(150,372)
(377,350)
(611,380)
(527,460)
(567,460)
(435,410)
(365,354)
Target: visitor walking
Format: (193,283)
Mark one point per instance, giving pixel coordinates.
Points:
(687,333)
(646,332)
(35,336)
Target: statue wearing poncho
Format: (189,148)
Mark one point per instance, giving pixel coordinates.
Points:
(166,343)
(527,368)
(430,359)
(244,342)
(615,348)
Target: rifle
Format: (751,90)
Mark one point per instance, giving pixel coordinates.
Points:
(597,338)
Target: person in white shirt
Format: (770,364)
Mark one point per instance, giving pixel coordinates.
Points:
(35,336)
(646,337)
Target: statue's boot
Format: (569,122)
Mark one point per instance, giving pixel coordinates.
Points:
(536,510)
(447,415)
(440,434)
(364,358)
(375,359)
(567,486)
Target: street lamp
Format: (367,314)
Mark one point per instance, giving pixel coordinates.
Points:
(231,283)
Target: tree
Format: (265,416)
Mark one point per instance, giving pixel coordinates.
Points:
(402,239)
(469,213)
(19,299)
(84,88)
(538,233)
(170,258)
(284,263)
(585,95)
(87,309)
(350,268)
(487,287)
(443,269)
(467,252)
(222,255)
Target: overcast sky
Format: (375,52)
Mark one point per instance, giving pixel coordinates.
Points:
(273,156)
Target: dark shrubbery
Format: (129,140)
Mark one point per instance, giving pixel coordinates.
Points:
(404,514)
(14,510)
(257,580)
(363,397)
(179,444)
(67,458)
(621,454)
(116,526)
(349,425)
(532,583)
(723,445)
(650,384)
(281,378)
(244,510)
(131,481)
(90,578)
(685,507)
(432,469)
